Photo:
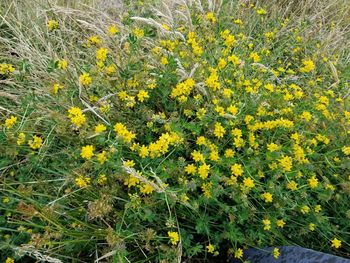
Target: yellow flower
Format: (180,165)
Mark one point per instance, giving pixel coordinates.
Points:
(234,59)
(76,116)
(311,226)
(272,147)
(211,17)
(85,79)
(276,253)
(101,157)
(131,181)
(336,243)
(237,169)
(268,197)
(100,128)
(230,41)
(21,138)
(143,151)
(102,179)
(210,248)
(206,188)
(101,54)
(94,40)
(222,63)
(10,122)
(346,150)
(269,87)
(313,182)
(129,163)
(239,253)
(82,181)
(138,32)
(201,140)
(292,185)
(62,64)
(146,189)
(123,132)
(318,209)
(190,169)
(280,223)
(9,260)
(213,80)
(6,69)
(203,171)
(261,11)
(35,143)
(255,57)
(164,61)
(52,25)
(267,224)
(286,163)
(87,152)
(219,130)
(214,155)
(142,95)
(229,153)
(308,65)
(174,237)
(111,69)
(238,22)
(197,156)
(248,182)
(56,87)
(166,27)
(112,30)
(306,115)
(305,209)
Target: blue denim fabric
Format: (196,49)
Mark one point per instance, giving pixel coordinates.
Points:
(290,254)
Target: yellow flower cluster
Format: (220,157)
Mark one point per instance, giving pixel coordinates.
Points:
(196,49)
(76,116)
(308,66)
(85,79)
(211,17)
(174,237)
(219,130)
(56,87)
(6,69)
(138,32)
(142,95)
(82,181)
(87,152)
(229,40)
(35,143)
(213,80)
(203,170)
(10,122)
(62,64)
(53,25)
(161,146)
(112,30)
(146,189)
(183,89)
(269,125)
(123,132)
(21,138)
(286,163)
(99,128)
(101,55)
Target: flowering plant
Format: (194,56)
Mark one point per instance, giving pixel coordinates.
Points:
(177,137)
